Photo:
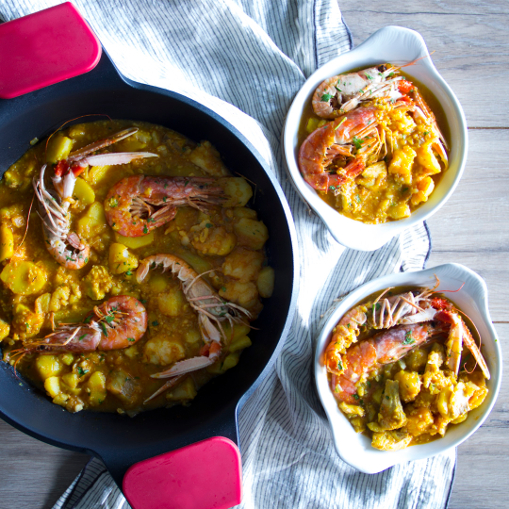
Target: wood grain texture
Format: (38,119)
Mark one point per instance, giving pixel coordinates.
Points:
(472,54)
(470,43)
(34,474)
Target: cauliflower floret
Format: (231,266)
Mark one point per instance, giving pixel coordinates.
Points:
(163,350)
(244,294)
(60,298)
(26,323)
(243,264)
(207,158)
(211,240)
(98,282)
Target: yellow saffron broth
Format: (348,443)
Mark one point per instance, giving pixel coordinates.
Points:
(390,187)
(228,238)
(419,393)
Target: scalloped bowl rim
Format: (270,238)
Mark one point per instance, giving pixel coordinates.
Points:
(389,44)
(355,449)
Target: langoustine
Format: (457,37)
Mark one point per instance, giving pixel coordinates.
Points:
(211,309)
(65,246)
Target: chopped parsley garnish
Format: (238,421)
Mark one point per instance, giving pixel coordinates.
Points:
(131,340)
(208,225)
(129,272)
(103,327)
(81,371)
(145,229)
(409,340)
(326,97)
(155,323)
(81,337)
(357,142)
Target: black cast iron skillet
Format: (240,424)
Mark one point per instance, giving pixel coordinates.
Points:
(121,441)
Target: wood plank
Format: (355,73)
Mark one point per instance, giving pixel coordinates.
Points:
(470,43)
(34,474)
(483,460)
(472,227)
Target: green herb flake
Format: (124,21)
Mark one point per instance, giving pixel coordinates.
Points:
(131,340)
(155,323)
(357,143)
(326,97)
(409,340)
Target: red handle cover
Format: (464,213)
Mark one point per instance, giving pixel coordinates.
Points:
(204,475)
(44,48)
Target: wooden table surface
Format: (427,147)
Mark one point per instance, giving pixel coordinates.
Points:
(472,54)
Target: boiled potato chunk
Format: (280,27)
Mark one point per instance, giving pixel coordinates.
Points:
(71,379)
(83,192)
(158,283)
(5,329)
(265,282)
(97,386)
(121,260)
(6,243)
(52,386)
(42,303)
(402,162)
(409,384)
(171,303)
(48,366)
(98,173)
(237,190)
(183,391)
(23,278)
(93,222)
(59,147)
(240,344)
(251,233)
(135,242)
(399,211)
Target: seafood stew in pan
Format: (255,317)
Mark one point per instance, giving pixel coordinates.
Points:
(403,366)
(370,144)
(136,280)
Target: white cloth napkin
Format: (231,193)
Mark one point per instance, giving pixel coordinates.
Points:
(246,59)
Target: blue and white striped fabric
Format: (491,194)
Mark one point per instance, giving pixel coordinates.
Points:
(246,59)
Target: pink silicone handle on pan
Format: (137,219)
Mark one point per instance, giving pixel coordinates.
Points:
(44,48)
(204,475)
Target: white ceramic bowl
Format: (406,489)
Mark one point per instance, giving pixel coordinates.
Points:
(395,45)
(355,449)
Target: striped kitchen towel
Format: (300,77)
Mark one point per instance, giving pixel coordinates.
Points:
(246,59)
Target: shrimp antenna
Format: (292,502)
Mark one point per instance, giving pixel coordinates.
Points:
(28,221)
(72,120)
